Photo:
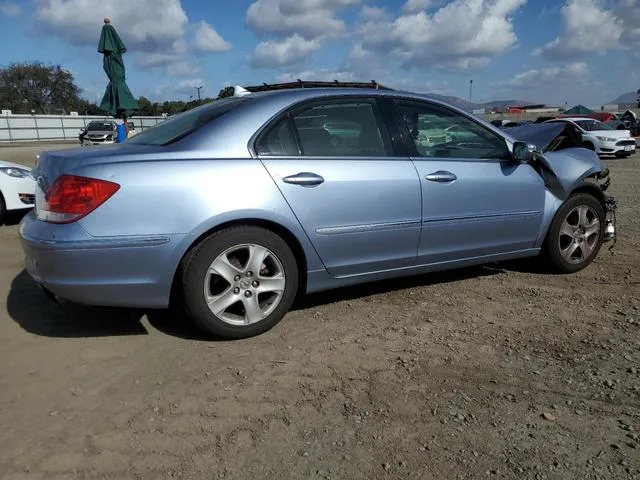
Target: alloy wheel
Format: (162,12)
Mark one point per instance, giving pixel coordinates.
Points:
(244,284)
(579,234)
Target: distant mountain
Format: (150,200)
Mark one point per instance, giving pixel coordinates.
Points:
(631,97)
(456,101)
(461,103)
(506,103)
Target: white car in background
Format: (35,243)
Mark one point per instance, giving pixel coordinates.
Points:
(17,188)
(601,137)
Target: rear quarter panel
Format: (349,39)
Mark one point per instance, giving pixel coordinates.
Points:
(188,197)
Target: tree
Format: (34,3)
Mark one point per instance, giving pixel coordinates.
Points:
(638,92)
(87,108)
(27,87)
(226,92)
(146,108)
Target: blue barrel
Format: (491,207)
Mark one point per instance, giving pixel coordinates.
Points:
(121,133)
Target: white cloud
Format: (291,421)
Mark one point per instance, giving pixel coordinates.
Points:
(364,62)
(628,11)
(310,19)
(208,40)
(589,28)
(144,25)
(415,6)
(173,64)
(372,13)
(185,88)
(154,31)
(10,9)
(577,72)
(320,75)
(277,53)
(460,35)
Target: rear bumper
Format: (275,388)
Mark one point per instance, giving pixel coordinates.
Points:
(117,272)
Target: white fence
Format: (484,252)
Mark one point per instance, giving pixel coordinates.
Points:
(26,128)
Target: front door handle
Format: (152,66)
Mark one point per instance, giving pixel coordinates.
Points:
(306,179)
(441,176)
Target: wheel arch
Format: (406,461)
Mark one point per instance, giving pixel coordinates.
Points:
(589,188)
(584,186)
(284,232)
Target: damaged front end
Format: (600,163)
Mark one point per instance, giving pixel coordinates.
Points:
(566,166)
(603,180)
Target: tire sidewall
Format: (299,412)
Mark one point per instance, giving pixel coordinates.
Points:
(552,246)
(197,264)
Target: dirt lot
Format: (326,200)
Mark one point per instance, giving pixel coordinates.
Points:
(497,372)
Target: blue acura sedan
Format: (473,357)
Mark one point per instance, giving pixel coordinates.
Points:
(234,208)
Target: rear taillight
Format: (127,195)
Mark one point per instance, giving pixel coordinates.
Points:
(71,198)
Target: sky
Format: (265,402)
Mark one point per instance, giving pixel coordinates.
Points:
(559,52)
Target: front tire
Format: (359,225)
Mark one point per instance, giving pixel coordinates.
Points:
(239,282)
(576,233)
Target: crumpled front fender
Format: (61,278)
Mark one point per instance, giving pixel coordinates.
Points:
(569,169)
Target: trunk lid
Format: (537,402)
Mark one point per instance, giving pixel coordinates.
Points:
(50,165)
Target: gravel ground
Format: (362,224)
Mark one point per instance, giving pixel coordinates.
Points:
(493,372)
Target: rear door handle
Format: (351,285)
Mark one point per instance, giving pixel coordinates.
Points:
(306,179)
(441,176)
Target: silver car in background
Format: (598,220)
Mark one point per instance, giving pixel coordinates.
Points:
(101,132)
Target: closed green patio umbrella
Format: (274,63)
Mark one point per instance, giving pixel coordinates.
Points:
(117,100)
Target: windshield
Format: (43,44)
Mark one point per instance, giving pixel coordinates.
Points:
(184,124)
(99,126)
(592,125)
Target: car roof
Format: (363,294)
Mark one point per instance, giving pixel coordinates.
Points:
(240,125)
(299,94)
(575,119)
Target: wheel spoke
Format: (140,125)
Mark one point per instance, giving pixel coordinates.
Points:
(272,284)
(593,228)
(582,215)
(568,252)
(257,255)
(219,303)
(567,229)
(253,312)
(222,267)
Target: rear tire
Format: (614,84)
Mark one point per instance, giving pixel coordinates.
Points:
(239,282)
(576,233)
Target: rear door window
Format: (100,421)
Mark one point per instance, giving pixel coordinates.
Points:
(342,128)
(278,140)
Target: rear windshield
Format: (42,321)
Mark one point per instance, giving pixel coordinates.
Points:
(184,124)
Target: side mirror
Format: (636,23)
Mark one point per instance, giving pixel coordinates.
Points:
(524,152)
